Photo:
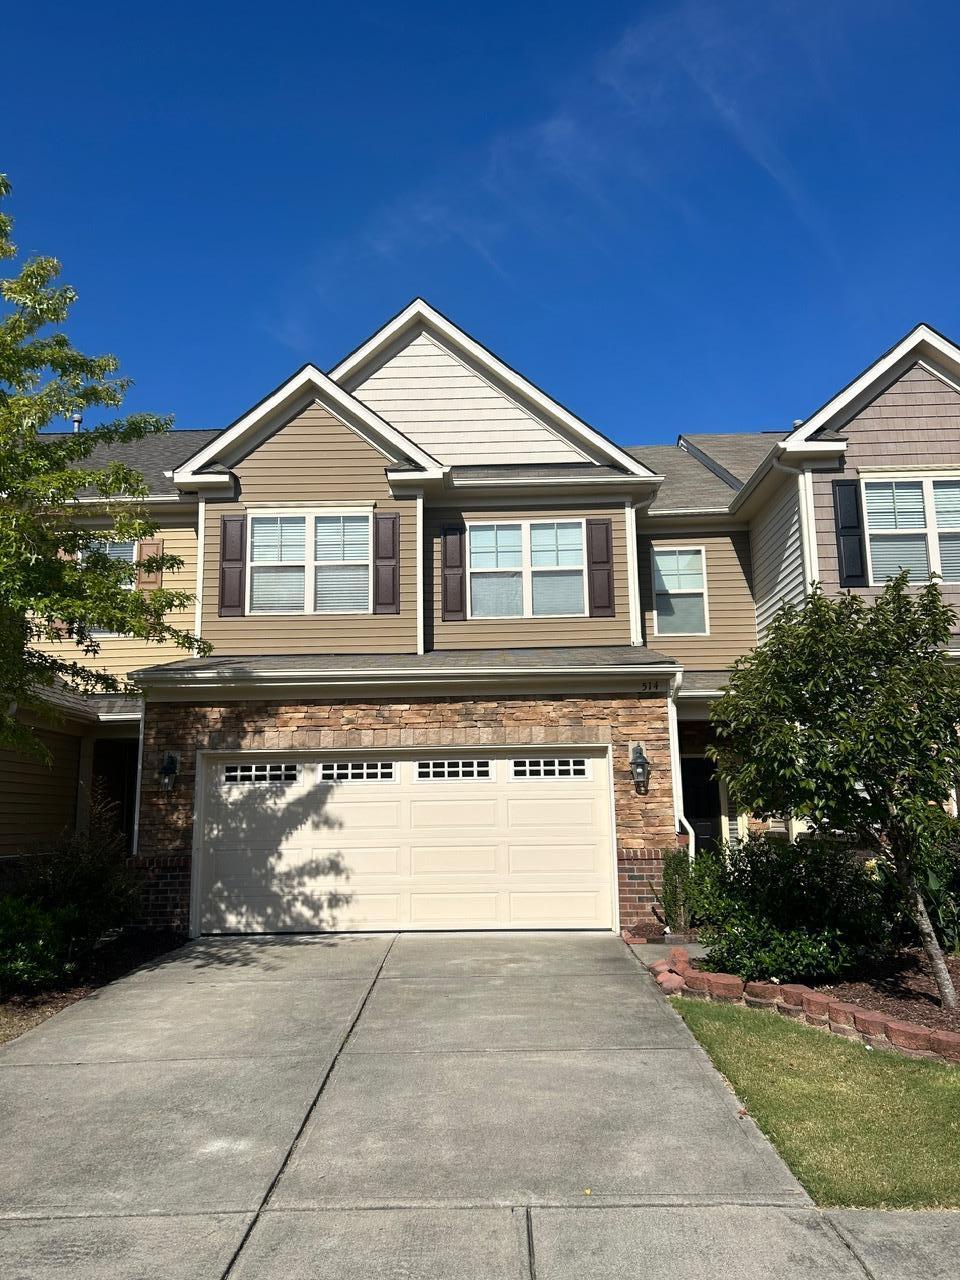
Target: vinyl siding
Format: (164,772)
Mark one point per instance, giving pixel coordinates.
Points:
(729,597)
(121,654)
(453,412)
(38,801)
(776,547)
(914,423)
(528,633)
(313,460)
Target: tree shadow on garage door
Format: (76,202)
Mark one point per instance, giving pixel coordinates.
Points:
(268,861)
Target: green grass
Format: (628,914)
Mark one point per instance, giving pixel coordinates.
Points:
(857,1127)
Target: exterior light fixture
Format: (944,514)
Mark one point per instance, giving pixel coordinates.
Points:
(640,769)
(169,770)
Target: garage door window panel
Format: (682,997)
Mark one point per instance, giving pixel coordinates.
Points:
(261,772)
(357,771)
(546,767)
(454,770)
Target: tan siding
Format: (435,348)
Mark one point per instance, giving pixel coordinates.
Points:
(458,416)
(122,654)
(38,801)
(776,545)
(527,633)
(729,598)
(914,423)
(312,460)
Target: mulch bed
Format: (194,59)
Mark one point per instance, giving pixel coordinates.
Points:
(111,960)
(905,991)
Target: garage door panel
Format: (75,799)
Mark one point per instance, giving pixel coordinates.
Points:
(453,860)
(403,846)
(453,813)
(553,811)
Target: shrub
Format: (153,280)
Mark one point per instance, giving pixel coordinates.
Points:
(674,897)
(34,947)
(802,911)
(65,897)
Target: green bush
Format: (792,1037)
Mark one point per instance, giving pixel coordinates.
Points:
(34,947)
(674,897)
(64,898)
(802,911)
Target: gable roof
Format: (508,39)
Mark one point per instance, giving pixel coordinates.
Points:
(419,317)
(922,344)
(306,386)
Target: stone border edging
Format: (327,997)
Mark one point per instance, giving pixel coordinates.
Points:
(676,977)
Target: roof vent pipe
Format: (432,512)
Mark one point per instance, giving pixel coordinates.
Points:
(77,421)
(797,422)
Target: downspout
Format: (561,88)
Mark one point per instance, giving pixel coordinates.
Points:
(674,734)
(811,565)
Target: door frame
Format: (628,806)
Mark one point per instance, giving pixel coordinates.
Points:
(206,755)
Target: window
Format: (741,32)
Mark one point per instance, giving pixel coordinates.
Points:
(680,591)
(913,525)
(454,770)
(551,767)
(526,569)
(262,772)
(125,551)
(357,771)
(310,563)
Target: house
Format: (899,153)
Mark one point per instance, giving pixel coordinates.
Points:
(465,646)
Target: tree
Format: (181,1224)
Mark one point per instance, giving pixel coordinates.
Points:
(57,582)
(848,715)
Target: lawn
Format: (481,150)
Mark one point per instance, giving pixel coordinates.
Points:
(857,1127)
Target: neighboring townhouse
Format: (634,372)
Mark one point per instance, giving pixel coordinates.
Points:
(465,646)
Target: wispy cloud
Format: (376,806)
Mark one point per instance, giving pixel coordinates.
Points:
(626,142)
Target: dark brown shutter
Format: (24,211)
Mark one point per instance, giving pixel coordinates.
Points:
(386,563)
(453,573)
(851,550)
(600,568)
(233,548)
(149,547)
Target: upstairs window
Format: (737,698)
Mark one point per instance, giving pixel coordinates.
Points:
(526,569)
(311,563)
(680,591)
(125,551)
(913,525)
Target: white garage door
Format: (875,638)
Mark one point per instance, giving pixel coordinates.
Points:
(466,841)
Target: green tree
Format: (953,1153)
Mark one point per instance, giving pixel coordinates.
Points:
(848,715)
(56,581)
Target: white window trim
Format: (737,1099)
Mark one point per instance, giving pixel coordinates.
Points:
(310,562)
(526,568)
(930,529)
(687,591)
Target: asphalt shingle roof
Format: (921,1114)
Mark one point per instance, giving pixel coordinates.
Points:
(151,456)
(688,485)
(738,453)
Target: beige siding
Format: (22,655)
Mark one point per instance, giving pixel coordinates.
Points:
(457,415)
(729,598)
(121,654)
(38,801)
(313,460)
(526,633)
(776,544)
(914,423)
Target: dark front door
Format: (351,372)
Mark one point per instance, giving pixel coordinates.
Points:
(701,798)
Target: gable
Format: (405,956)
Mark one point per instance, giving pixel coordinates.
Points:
(458,416)
(313,458)
(914,421)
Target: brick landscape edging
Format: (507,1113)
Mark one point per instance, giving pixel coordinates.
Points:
(676,977)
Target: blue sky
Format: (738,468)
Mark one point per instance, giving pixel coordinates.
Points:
(672,216)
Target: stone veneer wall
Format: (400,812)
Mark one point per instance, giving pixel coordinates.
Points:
(645,824)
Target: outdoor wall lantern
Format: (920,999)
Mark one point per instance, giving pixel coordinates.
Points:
(169,770)
(640,769)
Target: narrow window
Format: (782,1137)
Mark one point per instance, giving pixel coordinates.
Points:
(342,564)
(680,591)
(277,564)
(496,577)
(556,560)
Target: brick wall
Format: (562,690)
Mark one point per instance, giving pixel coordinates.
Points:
(644,822)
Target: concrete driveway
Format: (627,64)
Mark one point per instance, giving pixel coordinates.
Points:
(421,1106)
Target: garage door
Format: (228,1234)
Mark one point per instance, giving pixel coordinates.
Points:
(466,841)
